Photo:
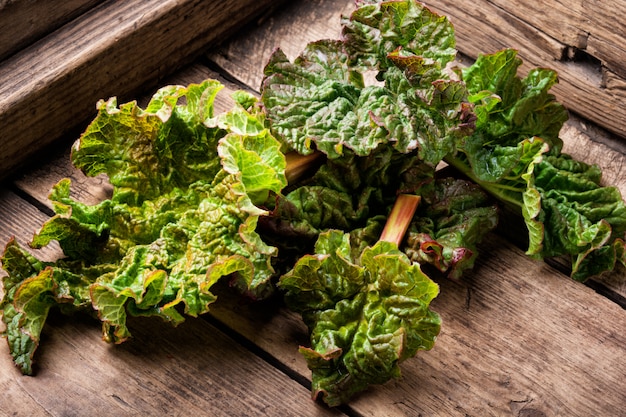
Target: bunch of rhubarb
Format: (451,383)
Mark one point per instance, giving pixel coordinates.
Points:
(325,189)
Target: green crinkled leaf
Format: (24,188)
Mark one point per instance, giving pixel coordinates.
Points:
(77,227)
(318,208)
(188,189)
(313,102)
(499,164)
(319,102)
(366,315)
(375,30)
(578,216)
(428,119)
(169,138)
(205,241)
(345,193)
(257,160)
(31,288)
(515,154)
(509,108)
(112,313)
(449,223)
(31,303)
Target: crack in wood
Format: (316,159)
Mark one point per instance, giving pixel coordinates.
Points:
(586,64)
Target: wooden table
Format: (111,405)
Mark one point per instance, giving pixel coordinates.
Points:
(519,338)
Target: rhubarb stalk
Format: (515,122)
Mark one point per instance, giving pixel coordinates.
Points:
(400,218)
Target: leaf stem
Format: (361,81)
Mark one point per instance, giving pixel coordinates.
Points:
(495,189)
(300,166)
(400,218)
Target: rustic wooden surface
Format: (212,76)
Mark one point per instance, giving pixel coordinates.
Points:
(518,338)
(114,49)
(25,21)
(192,370)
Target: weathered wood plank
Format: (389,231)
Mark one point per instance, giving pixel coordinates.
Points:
(581,26)
(39,182)
(25,21)
(192,369)
(518,339)
(244,56)
(19,219)
(113,49)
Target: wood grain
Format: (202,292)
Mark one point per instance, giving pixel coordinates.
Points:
(591,27)
(114,49)
(290,29)
(193,369)
(19,219)
(25,21)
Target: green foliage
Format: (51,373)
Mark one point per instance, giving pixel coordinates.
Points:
(453,218)
(366,314)
(320,102)
(515,154)
(187,193)
(200,196)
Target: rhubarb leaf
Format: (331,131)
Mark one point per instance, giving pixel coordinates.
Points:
(188,191)
(453,217)
(31,288)
(577,216)
(515,154)
(509,108)
(320,101)
(367,314)
(375,30)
